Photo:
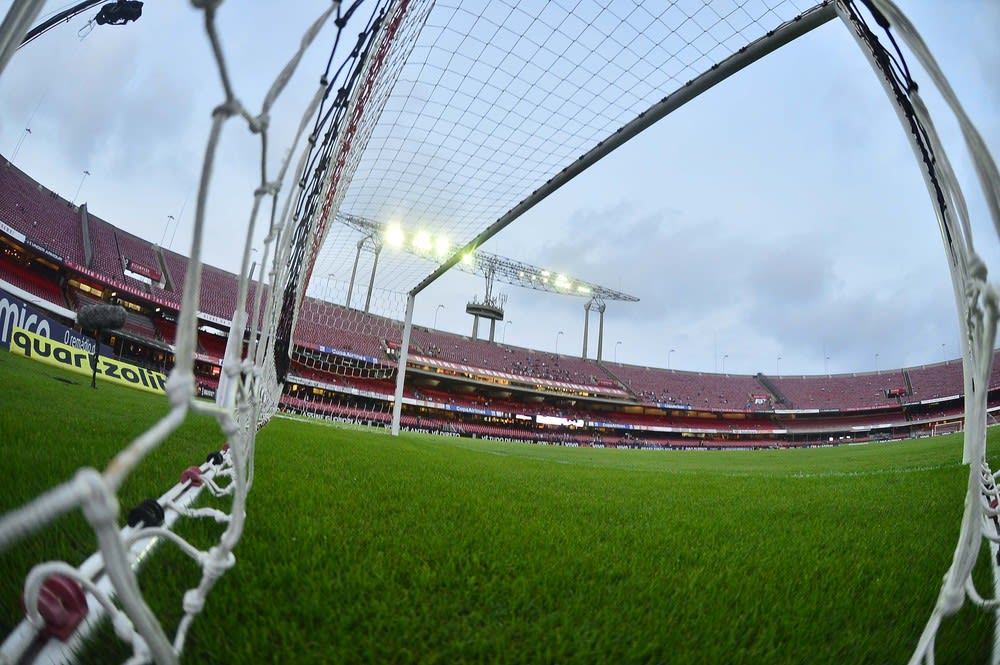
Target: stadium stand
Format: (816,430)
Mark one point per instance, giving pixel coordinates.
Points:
(37,283)
(450,388)
(49,222)
(840,391)
(939,380)
(696,390)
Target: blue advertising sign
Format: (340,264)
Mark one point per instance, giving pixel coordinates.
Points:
(14,312)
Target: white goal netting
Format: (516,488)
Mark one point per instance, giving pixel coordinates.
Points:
(434,126)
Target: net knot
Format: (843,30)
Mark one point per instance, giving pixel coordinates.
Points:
(217,562)
(951,600)
(227,109)
(194,601)
(179,388)
(99,505)
(267,189)
(260,123)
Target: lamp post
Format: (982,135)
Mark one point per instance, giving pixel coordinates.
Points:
(826,365)
(724,363)
(327,292)
(166,226)
(943,353)
(80,186)
(669,353)
(777,366)
(436,310)
(253,265)
(506,323)
(17,148)
(876,363)
(558,335)
(617,344)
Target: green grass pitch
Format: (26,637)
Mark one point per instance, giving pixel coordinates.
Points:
(361,547)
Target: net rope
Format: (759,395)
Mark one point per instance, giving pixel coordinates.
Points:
(443,114)
(495,98)
(484,103)
(976,298)
(250,385)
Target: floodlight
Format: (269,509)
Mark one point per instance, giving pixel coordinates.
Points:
(442,246)
(422,241)
(562,282)
(394,236)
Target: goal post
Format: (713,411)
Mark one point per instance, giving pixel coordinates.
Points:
(950,427)
(746,56)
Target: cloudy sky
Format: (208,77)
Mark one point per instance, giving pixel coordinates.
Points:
(781,214)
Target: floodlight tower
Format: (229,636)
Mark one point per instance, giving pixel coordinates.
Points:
(599,303)
(490,308)
(376,244)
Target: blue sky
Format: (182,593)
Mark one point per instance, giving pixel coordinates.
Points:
(779,215)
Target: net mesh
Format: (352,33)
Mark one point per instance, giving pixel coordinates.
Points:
(256,358)
(496,98)
(977,299)
(431,124)
(482,104)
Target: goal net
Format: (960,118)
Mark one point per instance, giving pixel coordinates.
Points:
(434,126)
(883,32)
(952,427)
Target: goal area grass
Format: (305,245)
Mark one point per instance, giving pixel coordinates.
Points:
(361,547)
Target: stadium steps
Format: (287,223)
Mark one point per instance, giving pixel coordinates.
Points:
(618,382)
(161,263)
(779,397)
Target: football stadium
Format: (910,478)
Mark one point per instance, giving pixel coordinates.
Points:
(250,450)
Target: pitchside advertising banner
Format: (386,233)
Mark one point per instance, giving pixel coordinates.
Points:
(38,347)
(16,312)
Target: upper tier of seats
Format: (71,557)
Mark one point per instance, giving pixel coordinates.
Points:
(45,218)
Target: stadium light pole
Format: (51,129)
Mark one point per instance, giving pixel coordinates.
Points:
(558,335)
(724,363)
(17,148)
(826,365)
(777,366)
(253,266)
(80,186)
(436,310)
(166,226)
(876,363)
(507,323)
(617,344)
(669,353)
(943,357)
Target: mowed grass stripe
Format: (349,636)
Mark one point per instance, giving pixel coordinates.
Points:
(365,548)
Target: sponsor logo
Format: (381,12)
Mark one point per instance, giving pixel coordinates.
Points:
(37,347)
(142,269)
(44,250)
(78,341)
(14,313)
